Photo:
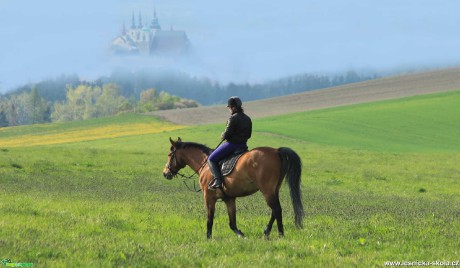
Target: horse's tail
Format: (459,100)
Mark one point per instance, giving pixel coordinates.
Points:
(291,167)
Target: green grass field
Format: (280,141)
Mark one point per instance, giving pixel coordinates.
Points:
(380,183)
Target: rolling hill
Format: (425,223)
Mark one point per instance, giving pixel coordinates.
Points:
(368,91)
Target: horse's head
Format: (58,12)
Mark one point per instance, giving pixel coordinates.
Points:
(175,162)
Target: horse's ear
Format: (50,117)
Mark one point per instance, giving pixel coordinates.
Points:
(179,139)
(172,142)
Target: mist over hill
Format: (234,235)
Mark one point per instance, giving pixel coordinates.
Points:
(204,90)
(236,42)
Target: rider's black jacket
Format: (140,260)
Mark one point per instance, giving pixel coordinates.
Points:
(239,128)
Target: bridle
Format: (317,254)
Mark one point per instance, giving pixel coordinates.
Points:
(184,177)
(171,159)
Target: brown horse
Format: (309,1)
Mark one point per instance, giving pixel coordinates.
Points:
(261,169)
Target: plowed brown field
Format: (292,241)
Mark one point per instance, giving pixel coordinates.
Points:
(374,90)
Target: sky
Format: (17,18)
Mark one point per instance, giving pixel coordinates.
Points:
(233,41)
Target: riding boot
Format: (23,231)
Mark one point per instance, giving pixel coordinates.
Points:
(217,174)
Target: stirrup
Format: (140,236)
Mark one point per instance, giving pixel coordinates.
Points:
(212,185)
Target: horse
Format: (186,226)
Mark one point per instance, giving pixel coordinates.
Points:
(261,169)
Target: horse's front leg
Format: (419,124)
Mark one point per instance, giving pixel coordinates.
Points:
(211,207)
(231,209)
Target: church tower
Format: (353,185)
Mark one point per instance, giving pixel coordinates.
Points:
(133,22)
(155,24)
(139,26)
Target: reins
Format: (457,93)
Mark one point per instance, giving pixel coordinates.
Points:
(185,177)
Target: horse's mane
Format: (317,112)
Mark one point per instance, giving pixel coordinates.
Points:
(205,149)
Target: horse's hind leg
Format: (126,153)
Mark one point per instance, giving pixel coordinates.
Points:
(268,229)
(231,209)
(277,213)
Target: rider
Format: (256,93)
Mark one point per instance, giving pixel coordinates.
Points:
(237,133)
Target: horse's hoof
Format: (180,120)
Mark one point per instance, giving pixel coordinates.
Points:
(239,233)
(266,235)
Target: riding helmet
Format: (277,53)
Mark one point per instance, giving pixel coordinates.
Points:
(234,102)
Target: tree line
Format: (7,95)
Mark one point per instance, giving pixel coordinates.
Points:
(66,98)
(82,102)
(208,92)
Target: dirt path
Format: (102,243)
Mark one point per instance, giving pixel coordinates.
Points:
(374,90)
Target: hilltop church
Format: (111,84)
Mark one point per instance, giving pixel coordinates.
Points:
(148,39)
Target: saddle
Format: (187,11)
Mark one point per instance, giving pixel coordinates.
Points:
(228,163)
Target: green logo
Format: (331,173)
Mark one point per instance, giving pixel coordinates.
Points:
(5,261)
(10,263)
